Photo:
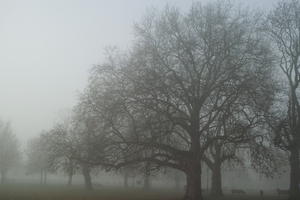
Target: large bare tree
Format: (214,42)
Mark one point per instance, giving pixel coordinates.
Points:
(164,97)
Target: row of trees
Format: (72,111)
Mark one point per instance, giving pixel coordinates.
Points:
(68,148)
(55,150)
(199,87)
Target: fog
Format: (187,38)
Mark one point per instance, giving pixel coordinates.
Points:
(54,62)
(48,47)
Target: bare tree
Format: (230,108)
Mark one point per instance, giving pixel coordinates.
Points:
(175,176)
(38,157)
(90,143)
(9,149)
(127,172)
(222,151)
(283,25)
(62,150)
(240,127)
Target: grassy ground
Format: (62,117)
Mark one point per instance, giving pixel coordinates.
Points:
(56,192)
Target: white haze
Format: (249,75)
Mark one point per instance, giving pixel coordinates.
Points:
(48,46)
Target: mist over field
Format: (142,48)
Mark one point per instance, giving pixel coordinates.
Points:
(150,100)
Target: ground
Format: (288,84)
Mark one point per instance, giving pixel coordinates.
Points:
(56,192)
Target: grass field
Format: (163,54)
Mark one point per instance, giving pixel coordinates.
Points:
(56,192)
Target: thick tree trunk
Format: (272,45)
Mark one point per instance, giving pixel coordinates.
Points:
(216,182)
(294,175)
(87,178)
(193,186)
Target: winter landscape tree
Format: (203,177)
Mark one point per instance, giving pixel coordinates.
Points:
(164,97)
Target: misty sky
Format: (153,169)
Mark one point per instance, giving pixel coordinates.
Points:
(48,46)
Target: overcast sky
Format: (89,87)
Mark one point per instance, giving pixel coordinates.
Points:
(48,46)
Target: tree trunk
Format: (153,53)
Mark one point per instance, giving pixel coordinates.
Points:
(87,177)
(147,184)
(294,175)
(70,177)
(193,186)
(193,165)
(45,177)
(177,181)
(125,180)
(41,176)
(133,182)
(216,184)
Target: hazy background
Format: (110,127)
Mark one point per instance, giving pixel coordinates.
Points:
(48,46)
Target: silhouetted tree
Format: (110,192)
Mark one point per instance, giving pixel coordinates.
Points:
(241,127)
(90,143)
(62,150)
(38,157)
(164,97)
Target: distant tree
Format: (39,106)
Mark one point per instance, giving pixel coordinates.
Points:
(146,175)
(38,157)
(9,149)
(283,27)
(128,171)
(143,170)
(174,176)
(86,172)
(89,142)
(220,152)
(240,127)
(62,150)
(71,148)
